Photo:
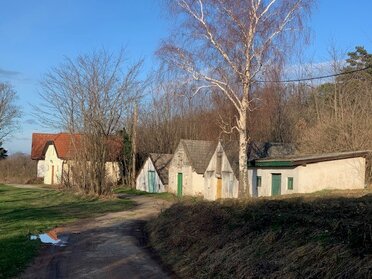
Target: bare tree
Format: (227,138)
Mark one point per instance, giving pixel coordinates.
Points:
(343,107)
(227,45)
(92,96)
(18,168)
(9,111)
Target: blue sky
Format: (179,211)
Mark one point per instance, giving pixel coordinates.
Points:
(37,35)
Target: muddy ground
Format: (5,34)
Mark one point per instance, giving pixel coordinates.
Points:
(109,246)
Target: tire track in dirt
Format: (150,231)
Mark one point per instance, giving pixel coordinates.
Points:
(104,247)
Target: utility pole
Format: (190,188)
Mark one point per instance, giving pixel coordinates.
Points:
(134,145)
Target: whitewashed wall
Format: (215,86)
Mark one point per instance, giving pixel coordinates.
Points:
(230,184)
(51,159)
(266,173)
(197,184)
(336,174)
(40,168)
(142,178)
(112,171)
(180,164)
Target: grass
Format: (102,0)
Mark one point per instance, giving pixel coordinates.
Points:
(318,236)
(31,211)
(165,196)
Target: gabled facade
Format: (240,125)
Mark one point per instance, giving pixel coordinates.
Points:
(55,156)
(153,176)
(221,178)
(188,165)
(53,166)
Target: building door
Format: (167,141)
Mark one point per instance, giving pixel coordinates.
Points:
(151,181)
(52,180)
(276,184)
(179,184)
(219,188)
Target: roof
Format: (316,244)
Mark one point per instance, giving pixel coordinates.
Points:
(231,150)
(66,144)
(293,161)
(256,150)
(199,153)
(161,164)
(63,143)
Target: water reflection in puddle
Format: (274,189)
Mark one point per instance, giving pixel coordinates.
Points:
(50,238)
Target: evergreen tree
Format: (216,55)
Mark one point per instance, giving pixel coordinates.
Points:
(359,59)
(3,152)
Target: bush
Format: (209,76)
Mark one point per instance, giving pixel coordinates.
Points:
(18,168)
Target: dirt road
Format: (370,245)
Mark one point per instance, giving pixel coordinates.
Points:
(104,247)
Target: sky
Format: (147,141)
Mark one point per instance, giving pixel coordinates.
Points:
(37,35)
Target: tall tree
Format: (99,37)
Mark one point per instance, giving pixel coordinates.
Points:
(343,108)
(91,95)
(9,111)
(229,44)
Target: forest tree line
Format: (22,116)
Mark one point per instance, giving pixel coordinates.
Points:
(222,77)
(333,115)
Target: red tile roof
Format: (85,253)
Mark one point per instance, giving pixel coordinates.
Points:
(65,145)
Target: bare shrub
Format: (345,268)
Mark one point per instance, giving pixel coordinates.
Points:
(18,168)
(92,96)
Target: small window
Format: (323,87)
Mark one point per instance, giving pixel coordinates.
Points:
(290,183)
(258,181)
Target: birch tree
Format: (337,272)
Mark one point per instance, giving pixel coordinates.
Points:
(228,45)
(9,111)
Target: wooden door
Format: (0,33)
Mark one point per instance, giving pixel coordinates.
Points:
(219,188)
(52,180)
(151,181)
(276,180)
(179,184)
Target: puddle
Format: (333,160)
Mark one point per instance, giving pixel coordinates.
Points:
(50,238)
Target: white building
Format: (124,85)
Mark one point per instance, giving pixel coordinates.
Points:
(187,167)
(306,174)
(221,178)
(55,156)
(153,176)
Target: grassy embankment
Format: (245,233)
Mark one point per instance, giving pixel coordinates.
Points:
(30,211)
(321,236)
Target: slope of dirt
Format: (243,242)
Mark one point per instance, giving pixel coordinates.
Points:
(104,247)
(326,237)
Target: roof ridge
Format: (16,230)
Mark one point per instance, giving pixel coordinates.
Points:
(197,140)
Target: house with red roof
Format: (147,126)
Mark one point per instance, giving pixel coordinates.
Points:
(56,153)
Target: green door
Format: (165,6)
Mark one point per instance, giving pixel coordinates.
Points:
(179,184)
(276,184)
(151,181)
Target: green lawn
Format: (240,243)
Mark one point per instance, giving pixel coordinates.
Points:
(30,211)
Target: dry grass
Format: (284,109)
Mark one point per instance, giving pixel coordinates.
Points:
(18,168)
(324,235)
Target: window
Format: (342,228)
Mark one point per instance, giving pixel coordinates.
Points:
(258,181)
(290,183)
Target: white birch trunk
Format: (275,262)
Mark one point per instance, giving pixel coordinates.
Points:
(244,191)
